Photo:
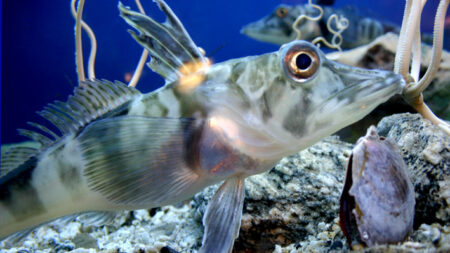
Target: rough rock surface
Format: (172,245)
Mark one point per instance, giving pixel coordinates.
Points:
(292,208)
(296,199)
(426,152)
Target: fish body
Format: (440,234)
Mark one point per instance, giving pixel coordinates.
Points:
(120,149)
(276,28)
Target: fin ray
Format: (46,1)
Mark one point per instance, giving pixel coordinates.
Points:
(140,160)
(43,140)
(16,238)
(43,129)
(169,44)
(222,218)
(91,100)
(14,157)
(94,218)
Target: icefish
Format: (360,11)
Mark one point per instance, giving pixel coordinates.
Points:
(120,149)
(277,27)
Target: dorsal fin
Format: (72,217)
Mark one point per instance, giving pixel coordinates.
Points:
(91,100)
(14,157)
(168,43)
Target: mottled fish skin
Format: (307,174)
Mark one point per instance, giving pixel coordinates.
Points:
(276,28)
(50,182)
(120,149)
(48,186)
(275,115)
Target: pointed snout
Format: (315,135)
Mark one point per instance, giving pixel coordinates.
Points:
(364,83)
(252,29)
(265,30)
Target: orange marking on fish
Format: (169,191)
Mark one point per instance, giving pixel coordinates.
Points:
(193,74)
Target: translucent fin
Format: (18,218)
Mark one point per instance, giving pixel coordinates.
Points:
(140,161)
(95,218)
(92,100)
(222,219)
(43,140)
(169,44)
(16,238)
(14,157)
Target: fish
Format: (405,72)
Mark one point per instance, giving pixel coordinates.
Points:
(110,147)
(276,28)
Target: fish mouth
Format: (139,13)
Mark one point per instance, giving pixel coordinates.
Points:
(367,85)
(258,31)
(364,90)
(372,89)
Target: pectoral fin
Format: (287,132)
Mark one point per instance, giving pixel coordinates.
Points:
(140,162)
(222,219)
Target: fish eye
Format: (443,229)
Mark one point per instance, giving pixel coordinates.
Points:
(281,12)
(300,61)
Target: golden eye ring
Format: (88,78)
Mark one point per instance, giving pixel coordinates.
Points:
(281,12)
(300,61)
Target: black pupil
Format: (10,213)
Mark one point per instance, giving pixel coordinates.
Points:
(303,61)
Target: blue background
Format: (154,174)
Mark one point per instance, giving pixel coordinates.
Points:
(38,60)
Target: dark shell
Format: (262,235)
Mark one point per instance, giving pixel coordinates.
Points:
(377,202)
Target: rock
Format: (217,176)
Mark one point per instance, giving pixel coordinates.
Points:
(85,241)
(426,152)
(291,208)
(297,199)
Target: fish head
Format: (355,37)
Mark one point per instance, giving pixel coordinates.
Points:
(294,97)
(326,96)
(276,27)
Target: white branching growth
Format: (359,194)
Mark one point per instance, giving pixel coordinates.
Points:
(78,42)
(341,23)
(409,45)
(302,17)
(80,24)
(88,30)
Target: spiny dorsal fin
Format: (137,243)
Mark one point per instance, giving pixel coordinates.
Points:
(169,44)
(91,100)
(14,157)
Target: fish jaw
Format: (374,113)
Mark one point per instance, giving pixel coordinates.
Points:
(259,31)
(346,94)
(273,115)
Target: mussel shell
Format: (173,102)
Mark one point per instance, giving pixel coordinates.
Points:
(378,196)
